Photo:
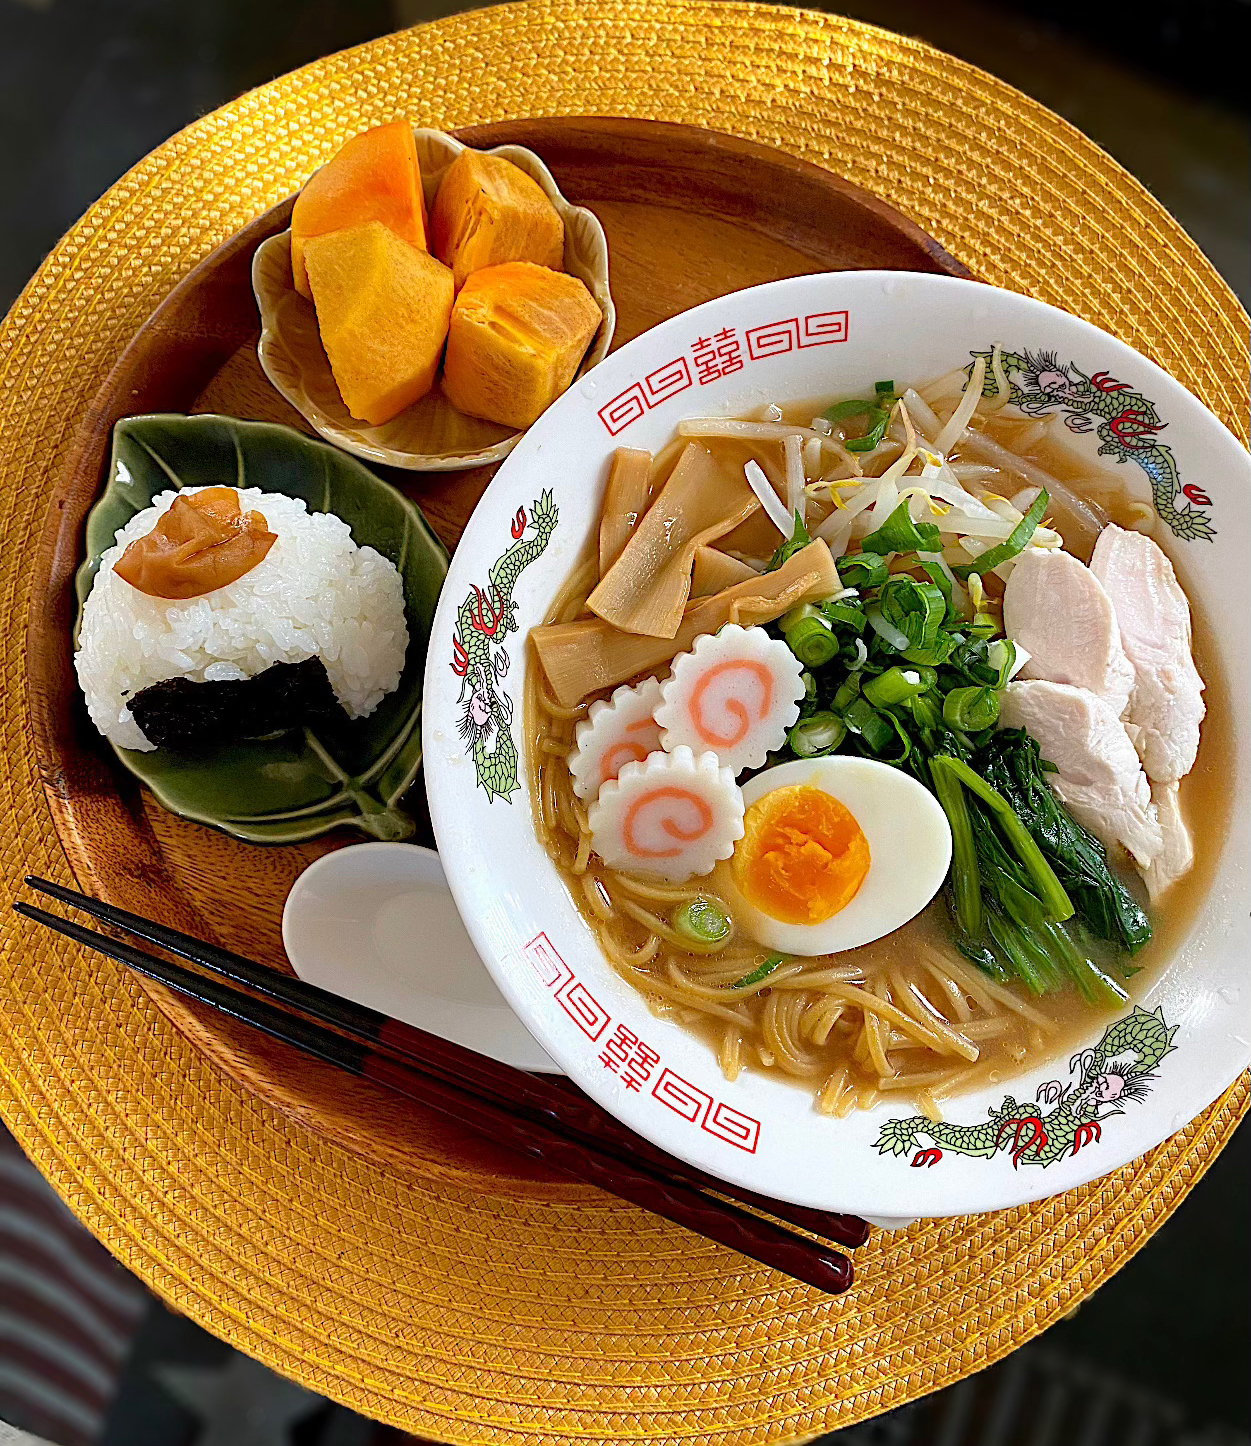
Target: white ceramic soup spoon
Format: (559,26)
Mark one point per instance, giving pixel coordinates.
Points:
(376,923)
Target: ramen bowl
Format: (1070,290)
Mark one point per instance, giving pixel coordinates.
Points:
(1055,1124)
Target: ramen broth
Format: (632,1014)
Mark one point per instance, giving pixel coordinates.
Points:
(807,1019)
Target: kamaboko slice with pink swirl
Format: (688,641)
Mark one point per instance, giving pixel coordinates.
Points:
(672,816)
(616,731)
(735,694)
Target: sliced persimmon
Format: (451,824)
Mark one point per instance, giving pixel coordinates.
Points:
(375,177)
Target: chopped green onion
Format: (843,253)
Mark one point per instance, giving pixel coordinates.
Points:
(893,637)
(863,569)
(969,710)
(917,610)
(848,692)
(703,921)
(881,731)
(926,711)
(940,580)
(900,534)
(809,636)
(879,419)
(1016,542)
(810,686)
(798,539)
(761,971)
(816,735)
(895,685)
(840,411)
(1001,655)
(937,652)
(1041,874)
(884,387)
(848,614)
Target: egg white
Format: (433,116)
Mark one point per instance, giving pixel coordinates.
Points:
(909,853)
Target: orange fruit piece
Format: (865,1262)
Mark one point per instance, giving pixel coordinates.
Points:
(488,211)
(383,309)
(375,177)
(518,333)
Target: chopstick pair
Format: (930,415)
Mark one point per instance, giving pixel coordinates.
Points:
(545,1119)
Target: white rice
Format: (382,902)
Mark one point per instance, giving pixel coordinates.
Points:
(314,594)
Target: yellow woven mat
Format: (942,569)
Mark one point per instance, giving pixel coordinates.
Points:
(534,1317)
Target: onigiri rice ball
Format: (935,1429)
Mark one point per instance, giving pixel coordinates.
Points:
(315,594)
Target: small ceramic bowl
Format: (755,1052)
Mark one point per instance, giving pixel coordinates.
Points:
(1186,1038)
(431,435)
(298,785)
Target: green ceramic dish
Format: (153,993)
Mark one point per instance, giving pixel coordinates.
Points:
(294,786)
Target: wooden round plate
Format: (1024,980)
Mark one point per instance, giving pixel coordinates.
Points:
(689,215)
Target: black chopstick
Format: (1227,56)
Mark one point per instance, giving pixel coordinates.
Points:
(675,1200)
(547,1101)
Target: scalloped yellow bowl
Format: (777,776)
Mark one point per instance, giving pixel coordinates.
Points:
(431,435)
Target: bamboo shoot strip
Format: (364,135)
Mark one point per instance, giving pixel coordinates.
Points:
(585,657)
(647,587)
(625,502)
(715,571)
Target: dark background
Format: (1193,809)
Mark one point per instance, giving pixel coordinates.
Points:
(87,87)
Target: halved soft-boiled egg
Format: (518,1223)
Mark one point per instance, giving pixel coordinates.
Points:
(835,852)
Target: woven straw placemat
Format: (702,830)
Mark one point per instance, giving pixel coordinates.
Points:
(550,1316)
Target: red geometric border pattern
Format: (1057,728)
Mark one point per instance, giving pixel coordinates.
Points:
(734,1127)
(667,381)
(682,1097)
(583,1008)
(775,338)
(546,962)
(625,407)
(772,338)
(632,1059)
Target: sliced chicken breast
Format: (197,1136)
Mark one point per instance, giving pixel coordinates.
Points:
(1056,609)
(1166,702)
(1099,779)
(1177,854)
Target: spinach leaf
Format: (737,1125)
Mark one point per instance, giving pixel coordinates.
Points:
(1011,762)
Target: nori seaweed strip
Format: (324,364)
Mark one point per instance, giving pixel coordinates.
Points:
(182,714)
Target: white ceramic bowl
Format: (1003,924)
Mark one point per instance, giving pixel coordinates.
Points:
(808,337)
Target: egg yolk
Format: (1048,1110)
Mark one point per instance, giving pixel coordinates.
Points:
(802,855)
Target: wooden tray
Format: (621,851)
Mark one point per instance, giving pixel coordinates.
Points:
(689,215)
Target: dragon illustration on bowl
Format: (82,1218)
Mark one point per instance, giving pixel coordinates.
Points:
(1125,422)
(483,622)
(1116,1072)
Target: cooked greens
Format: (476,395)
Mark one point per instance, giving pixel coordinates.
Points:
(876,411)
(798,538)
(1012,762)
(900,534)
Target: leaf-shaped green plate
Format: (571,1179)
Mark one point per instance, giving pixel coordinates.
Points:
(296,786)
